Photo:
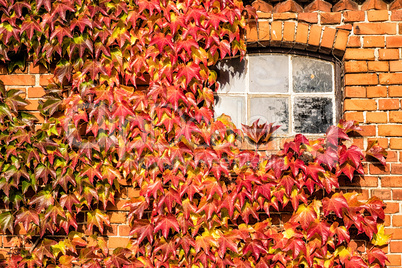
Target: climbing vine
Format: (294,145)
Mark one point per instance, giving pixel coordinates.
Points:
(132,102)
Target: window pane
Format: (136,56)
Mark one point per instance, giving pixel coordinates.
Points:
(269,73)
(271,110)
(311,75)
(235,107)
(312,115)
(231,75)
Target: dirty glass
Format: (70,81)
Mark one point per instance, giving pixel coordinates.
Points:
(269,73)
(232,75)
(311,75)
(271,110)
(234,106)
(312,115)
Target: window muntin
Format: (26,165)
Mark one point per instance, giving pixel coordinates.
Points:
(293,91)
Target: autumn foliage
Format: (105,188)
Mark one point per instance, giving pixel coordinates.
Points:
(203,202)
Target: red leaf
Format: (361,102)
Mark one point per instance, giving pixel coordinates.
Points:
(143,228)
(98,219)
(26,217)
(165,223)
(162,40)
(189,71)
(60,32)
(336,204)
(256,247)
(376,151)
(376,254)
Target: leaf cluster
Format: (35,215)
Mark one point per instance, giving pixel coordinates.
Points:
(132,102)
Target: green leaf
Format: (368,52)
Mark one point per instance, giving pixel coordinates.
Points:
(6,221)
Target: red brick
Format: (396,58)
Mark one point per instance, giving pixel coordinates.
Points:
(355,92)
(37,69)
(263,31)
(394,260)
(378,66)
(390,130)
(354,41)
(330,17)
(375,92)
(341,39)
(308,17)
(262,6)
(315,35)
(40,118)
(117,217)
(284,16)
(356,116)
(395,232)
(18,79)
(383,194)
(375,28)
(367,131)
(395,246)
(115,242)
(251,32)
(289,31)
(396,168)
(32,106)
(395,143)
(45,79)
(392,181)
(361,79)
(353,16)
(392,156)
(124,230)
(376,117)
(395,116)
(359,142)
(35,92)
(379,169)
(395,66)
(328,38)
(377,15)
(395,91)
(359,54)
(388,104)
(388,54)
(302,33)
(394,41)
(276,31)
(383,142)
(356,67)
(397,194)
(390,78)
(264,15)
(373,41)
(391,208)
(396,15)
(360,105)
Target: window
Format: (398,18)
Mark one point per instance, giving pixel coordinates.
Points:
(296,92)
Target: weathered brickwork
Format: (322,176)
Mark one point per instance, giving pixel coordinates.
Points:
(367,41)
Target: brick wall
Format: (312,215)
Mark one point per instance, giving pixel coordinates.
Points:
(367,40)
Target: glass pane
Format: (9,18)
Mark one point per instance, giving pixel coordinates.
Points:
(312,115)
(235,107)
(269,73)
(311,75)
(271,110)
(232,75)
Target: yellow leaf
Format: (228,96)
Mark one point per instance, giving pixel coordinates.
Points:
(380,238)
